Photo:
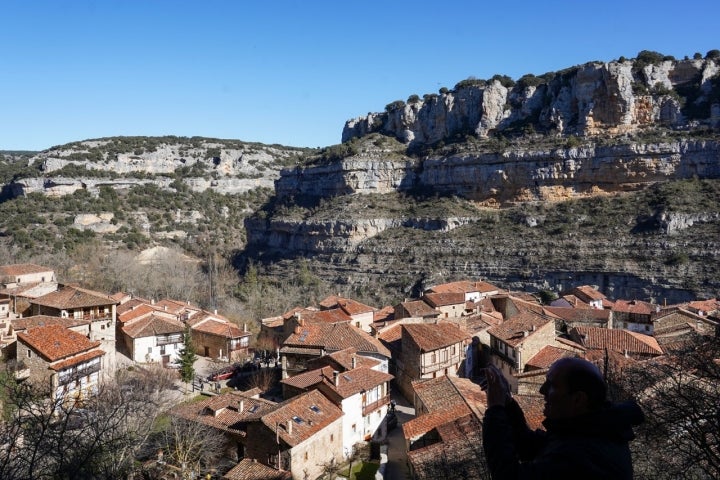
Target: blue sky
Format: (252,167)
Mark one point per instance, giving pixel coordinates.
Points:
(292,72)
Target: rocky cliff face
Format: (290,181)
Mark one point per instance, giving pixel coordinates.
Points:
(225,166)
(600,130)
(589,100)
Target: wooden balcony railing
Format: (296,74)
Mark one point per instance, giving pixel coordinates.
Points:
(371,407)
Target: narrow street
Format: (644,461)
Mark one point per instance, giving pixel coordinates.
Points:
(397,467)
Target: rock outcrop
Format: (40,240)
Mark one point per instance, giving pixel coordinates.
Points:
(593,99)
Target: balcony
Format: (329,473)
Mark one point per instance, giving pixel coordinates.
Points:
(371,407)
(434,367)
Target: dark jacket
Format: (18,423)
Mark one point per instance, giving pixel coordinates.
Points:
(593,446)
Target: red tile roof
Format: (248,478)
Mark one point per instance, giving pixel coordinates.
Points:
(25,323)
(634,306)
(349,383)
(516,329)
(464,286)
(151,326)
(336,315)
(349,306)
(547,356)
(418,308)
(55,342)
(249,469)
(424,423)
(594,315)
(140,311)
(22,269)
(223,411)
(616,340)
(431,336)
(589,292)
(313,410)
(76,360)
(444,299)
(222,329)
(74,297)
(436,394)
(130,304)
(384,314)
(343,360)
(333,337)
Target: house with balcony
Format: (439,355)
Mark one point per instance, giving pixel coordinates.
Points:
(96,308)
(214,336)
(67,362)
(634,315)
(429,351)
(151,335)
(362,393)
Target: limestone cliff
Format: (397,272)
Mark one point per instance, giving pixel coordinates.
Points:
(594,99)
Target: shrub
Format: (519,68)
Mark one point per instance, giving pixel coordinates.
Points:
(529,80)
(470,82)
(396,105)
(504,80)
(413,99)
(713,54)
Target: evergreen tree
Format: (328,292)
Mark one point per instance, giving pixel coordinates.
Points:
(187,357)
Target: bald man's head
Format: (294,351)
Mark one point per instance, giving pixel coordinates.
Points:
(573,387)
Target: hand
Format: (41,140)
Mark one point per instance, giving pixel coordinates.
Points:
(498,390)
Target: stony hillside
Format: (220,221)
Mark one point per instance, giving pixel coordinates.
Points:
(603,174)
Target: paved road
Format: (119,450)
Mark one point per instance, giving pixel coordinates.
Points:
(397,468)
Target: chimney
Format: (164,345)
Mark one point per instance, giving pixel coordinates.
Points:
(165,307)
(241,406)
(297,329)
(354,362)
(215,311)
(245,327)
(336,377)
(289,426)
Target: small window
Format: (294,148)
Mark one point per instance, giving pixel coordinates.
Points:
(149,349)
(332,437)
(29,353)
(297,419)
(315,408)
(306,456)
(354,428)
(357,324)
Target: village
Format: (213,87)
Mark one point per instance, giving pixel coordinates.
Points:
(341,368)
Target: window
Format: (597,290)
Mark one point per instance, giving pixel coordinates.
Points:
(149,349)
(29,353)
(306,456)
(332,437)
(354,428)
(357,324)
(433,358)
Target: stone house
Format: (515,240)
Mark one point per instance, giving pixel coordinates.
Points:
(634,315)
(361,315)
(450,305)
(96,308)
(447,429)
(473,291)
(362,393)
(214,336)
(678,323)
(314,340)
(151,335)
(515,341)
(416,309)
(301,435)
(429,351)
(67,362)
(591,296)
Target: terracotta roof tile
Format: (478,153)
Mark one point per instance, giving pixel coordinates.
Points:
(458,454)
(151,326)
(31,290)
(55,342)
(224,411)
(547,356)
(349,383)
(25,323)
(22,269)
(439,393)
(444,299)
(336,315)
(514,330)
(385,314)
(634,306)
(74,297)
(343,360)
(249,469)
(222,329)
(616,340)
(419,308)
(335,336)
(430,336)
(130,304)
(349,306)
(313,410)
(594,315)
(139,311)
(464,286)
(589,292)
(83,357)
(424,423)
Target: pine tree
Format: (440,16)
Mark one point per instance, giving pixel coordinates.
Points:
(187,357)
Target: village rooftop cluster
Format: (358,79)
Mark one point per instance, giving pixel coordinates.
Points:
(339,363)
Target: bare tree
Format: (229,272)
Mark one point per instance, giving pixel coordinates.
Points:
(192,445)
(680,395)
